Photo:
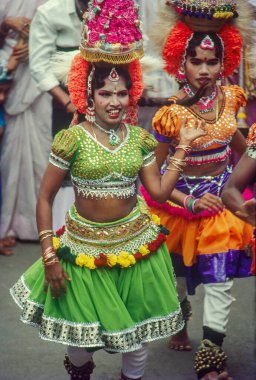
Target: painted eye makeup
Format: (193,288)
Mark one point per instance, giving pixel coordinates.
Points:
(105,94)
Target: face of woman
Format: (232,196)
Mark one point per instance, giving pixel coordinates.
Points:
(111,102)
(203,69)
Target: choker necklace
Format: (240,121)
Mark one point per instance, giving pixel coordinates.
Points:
(113,138)
(206,102)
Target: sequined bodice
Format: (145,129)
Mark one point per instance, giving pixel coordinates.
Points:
(167,121)
(94,161)
(220,130)
(97,170)
(213,147)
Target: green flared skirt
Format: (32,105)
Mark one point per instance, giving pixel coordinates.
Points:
(117,306)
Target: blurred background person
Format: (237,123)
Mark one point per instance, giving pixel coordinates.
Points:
(27,139)
(56,28)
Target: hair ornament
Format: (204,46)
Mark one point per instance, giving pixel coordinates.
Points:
(207,43)
(89,82)
(113,75)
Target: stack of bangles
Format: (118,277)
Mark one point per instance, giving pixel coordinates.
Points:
(178,164)
(49,256)
(189,203)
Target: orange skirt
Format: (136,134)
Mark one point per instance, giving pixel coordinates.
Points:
(212,248)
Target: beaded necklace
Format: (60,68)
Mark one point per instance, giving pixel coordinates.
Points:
(113,138)
(206,102)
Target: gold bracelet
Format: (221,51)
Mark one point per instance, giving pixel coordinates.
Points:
(41,233)
(179,161)
(187,148)
(47,251)
(52,262)
(45,237)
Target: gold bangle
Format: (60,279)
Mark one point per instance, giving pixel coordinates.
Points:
(54,261)
(179,161)
(41,233)
(47,251)
(45,237)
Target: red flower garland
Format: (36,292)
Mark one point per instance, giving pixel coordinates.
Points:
(102,260)
(135,72)
(176,44)
(233,43)
(77,82)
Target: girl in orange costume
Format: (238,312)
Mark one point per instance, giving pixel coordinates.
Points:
(207,242)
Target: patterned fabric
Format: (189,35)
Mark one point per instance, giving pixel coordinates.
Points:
(97,171)
(167,120)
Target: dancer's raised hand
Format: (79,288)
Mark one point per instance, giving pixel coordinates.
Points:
(190,133)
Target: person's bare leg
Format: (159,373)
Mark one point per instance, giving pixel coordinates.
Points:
(180,341)
(214,376)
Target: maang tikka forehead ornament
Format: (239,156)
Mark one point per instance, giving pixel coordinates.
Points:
(207,43)
(113,75)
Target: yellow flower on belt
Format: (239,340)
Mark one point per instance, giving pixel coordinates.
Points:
(143,249)
(85,261)
(155,219)
(112,260)
(125,259)
(56,243)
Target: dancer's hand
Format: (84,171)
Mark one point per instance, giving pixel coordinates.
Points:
(247,212)
(209,202)
(214,376)
(55,277)
(189,134)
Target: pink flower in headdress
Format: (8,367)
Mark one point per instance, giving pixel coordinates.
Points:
(94,37)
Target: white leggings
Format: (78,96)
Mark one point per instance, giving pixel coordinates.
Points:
(217,303)
(133,363)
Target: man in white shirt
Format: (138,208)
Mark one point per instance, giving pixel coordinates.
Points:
(55,27)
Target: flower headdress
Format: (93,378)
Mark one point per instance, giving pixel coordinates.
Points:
(179,19)
(111,34)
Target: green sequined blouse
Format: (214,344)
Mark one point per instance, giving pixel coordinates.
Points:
(97,171)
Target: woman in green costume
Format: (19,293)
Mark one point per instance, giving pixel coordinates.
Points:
(105,279)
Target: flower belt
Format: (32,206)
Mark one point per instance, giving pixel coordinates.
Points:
(123,259)
(81,231)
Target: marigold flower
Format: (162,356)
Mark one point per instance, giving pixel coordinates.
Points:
(55,243)
(155,219)
(112,260)
(143,249)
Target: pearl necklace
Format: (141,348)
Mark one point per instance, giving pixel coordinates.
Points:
(206,102)
(113,138)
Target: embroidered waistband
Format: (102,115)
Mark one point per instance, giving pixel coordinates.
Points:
(208,156)
(114,185)
(123,242)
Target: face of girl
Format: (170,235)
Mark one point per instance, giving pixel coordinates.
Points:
(203,69)
(111,102)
